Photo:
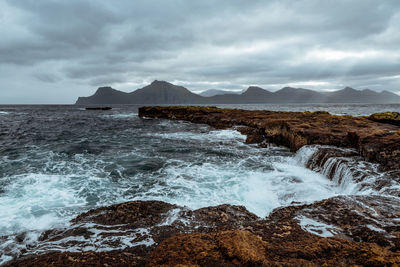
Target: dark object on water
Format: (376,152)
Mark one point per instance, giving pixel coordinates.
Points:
(98,108)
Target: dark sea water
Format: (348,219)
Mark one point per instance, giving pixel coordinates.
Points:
(59,161)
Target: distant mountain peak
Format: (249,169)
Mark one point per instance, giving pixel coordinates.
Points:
(287,89)
(254,89)
(347,88)
(157,82)
(105,89)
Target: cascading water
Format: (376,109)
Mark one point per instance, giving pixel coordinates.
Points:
(57,163)
(348,170)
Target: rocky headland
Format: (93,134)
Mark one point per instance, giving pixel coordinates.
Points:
(351,230)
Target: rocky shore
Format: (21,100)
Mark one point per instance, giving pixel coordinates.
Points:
(353,230)
(226,235)
(373,140)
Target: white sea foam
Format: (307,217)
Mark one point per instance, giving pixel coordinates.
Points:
(352,175)
(99,238)
(4,112)
(316,227)
(218,169)
(121,115)
(376,229)
(260,191)
(211,136)
(31,201)
(304,154)
(37,201)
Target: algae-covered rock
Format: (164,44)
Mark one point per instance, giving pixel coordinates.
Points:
(386,117)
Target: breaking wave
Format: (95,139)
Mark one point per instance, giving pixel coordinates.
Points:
(58,164)
(348,170)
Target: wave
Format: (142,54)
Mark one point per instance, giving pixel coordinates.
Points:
(211,136)
(176,162)
(348,170)
(121,115)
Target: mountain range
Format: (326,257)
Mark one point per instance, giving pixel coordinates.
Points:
(213,92)
(161,92)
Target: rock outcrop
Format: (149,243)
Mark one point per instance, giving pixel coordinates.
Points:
(386,117)
(336,232)
(376,142)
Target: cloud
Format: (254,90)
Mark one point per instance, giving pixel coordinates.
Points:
(74,46)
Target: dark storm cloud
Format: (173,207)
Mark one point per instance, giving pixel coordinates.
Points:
(73,46)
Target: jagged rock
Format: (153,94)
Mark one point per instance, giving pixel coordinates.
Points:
(355,230)
(224,248)
(138,213)
(242,248)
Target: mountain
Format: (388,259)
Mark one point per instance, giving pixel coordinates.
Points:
(214,92)
(297,95)
(255,94)
(350,95)
(158,92)
(161,92)
(105,95)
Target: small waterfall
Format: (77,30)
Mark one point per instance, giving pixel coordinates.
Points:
(347,169)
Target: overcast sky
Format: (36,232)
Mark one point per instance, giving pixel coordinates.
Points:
(54,51)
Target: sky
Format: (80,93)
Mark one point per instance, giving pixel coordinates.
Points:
(53,51)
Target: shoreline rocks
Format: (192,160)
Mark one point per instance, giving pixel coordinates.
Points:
(374,141)
(338,231)
(361,230)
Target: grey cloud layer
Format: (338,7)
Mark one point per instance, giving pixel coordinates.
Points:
(81,44)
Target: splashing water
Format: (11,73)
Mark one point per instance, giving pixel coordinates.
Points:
(57,163)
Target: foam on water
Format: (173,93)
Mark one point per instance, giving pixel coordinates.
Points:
(36,201)
(351,174)
(271,185)
(213,136)
(45,184)
(121,115)
(31,202)
(316,227)
(40,201)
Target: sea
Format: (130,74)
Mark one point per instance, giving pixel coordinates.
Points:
(57,161)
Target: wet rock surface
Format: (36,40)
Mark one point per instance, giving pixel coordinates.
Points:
(340,231)
(386,117)
(357,229)
(376,142)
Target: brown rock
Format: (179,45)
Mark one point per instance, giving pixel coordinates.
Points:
(227,248)
(377,142)
(228,235)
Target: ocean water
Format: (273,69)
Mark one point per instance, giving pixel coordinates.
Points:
(59,161)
